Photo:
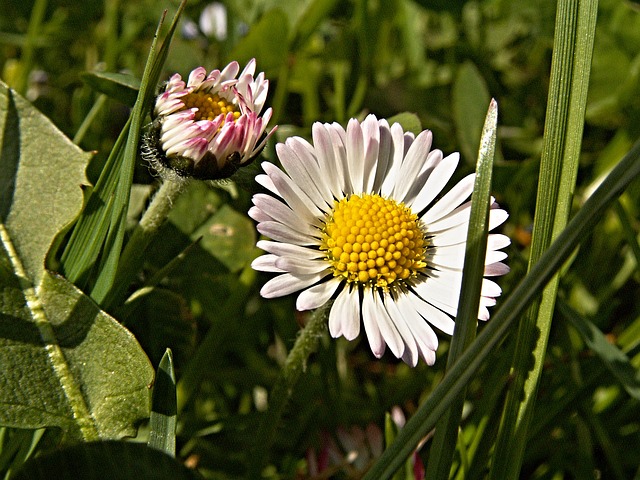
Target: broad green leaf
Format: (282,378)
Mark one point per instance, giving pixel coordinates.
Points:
(470,96)
(230,237)
(112,460)
(164,408)
(119,86)
(266,41)
(410,122)
(41,172)
(64,362)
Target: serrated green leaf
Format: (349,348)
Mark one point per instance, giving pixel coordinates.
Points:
(119,86)
(230,237)
(470,95)
(410,122)
(164,408)
(40,177)
(113,460)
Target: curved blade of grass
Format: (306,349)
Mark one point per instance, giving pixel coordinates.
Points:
(164,407)
(445,439)
(468,364)
(573,48)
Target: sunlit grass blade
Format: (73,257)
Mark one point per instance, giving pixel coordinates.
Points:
(445,439)
(163,418)
(571,63)
(425,418)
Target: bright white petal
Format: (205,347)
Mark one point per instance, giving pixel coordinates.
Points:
(266,263)
(440,176)
(344,318)
(355,155)
(369,319)
(282,233)
(401,322)
(285,249)
(317,295)
(412,164)
(301,266)
(286,283)
(454,197)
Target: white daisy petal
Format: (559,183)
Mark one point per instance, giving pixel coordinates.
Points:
(282,233)
(326,158)
(410,354)
(344,317)
(371,132)
(317,295)
(441,174)
(281,213)
(371,327)
(496,269)
(355,155)
(300,266)
(412,164)
(266,263)
(286,283)
(454,197)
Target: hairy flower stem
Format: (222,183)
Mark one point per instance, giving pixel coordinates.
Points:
(295,364)
(132,257)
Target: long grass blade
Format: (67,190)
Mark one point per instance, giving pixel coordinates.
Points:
(573,49)
(445,439)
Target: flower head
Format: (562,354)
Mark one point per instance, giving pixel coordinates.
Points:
(355,219)
(210,126)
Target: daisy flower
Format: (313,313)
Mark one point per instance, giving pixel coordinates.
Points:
(356,219)
(210,126)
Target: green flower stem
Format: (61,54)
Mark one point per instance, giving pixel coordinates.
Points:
(306,343)
(132,257)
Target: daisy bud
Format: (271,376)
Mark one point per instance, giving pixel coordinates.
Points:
(209,126)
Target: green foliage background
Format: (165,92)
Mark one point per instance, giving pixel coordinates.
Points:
(327,60)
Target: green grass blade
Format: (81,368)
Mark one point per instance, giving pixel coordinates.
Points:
(163,418)
(573,48)
(425,418)
(611,356)
(445,439)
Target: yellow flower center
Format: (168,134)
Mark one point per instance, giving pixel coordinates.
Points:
(209,106)
(373,240)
